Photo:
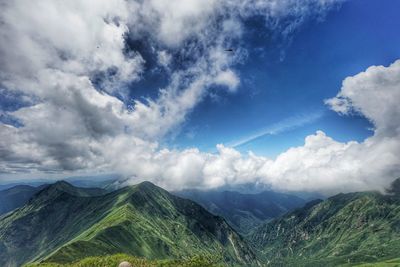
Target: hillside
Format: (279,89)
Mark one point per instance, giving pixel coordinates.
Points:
(344,229)
(244,211)
(114,260)
(63,224)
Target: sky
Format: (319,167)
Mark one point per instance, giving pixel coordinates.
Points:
(296,95)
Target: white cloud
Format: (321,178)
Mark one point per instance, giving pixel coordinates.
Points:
(321,164)
(228,78)
(375,94)
(77,37)
(164,58)
(180,20)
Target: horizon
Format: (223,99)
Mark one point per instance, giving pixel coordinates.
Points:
(108,183)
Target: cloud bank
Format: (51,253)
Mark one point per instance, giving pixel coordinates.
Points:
(68,71)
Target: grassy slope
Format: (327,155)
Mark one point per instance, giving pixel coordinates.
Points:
(114,260)
(153,225)
(386,263)
(347,228)
(49,220)
(142,220)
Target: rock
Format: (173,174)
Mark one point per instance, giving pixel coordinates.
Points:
(125,264)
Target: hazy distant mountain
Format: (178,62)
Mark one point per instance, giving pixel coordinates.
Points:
(244,211)
(16,196)
(19,195)
(5,186)
(62,223)
(99,181)
(346,228)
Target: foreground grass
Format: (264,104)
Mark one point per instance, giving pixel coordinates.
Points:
(114,260)
(387,263)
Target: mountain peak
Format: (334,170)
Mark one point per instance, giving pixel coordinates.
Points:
(65,187)
(147,184)
(148,187)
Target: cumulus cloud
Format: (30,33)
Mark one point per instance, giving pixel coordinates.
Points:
(71,120)
(375,94)
(324,164)
(321,164)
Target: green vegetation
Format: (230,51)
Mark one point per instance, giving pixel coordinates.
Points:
(65,226)
(62,224)
(387,263)
(344,229)
(114,260)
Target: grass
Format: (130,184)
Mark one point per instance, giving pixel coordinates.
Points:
(387,263)
(114,260)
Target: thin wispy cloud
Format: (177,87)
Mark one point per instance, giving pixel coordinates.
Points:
(280,127)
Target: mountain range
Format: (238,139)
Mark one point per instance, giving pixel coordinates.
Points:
(61,224)
(345,229)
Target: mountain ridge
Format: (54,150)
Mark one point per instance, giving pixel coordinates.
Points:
(346,228)
(58,224)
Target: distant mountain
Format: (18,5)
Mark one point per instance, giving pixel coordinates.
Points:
(16,197)
(344,229)
(63,223)
(98,181)
(244,211)
(19,195)
(5,186)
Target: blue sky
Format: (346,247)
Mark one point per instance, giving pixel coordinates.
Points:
(147,90)
(274,90)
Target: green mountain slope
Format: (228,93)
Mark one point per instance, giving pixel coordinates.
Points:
(344,229)
(114,260)
(63,224)
(244,211)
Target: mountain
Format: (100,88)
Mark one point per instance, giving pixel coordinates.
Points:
(18,195)
(97,181)
(63,223)
(5,186)
(244,211)
(344,229)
